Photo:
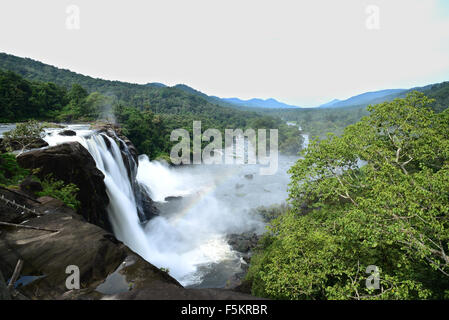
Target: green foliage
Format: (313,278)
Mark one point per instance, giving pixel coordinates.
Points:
(23,136)
(392,211)
(149,114)
(10,171)
(57,189)
(166,270)
(272,212)
(21,99)
(318,122)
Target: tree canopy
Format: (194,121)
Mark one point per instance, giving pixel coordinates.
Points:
(378,195)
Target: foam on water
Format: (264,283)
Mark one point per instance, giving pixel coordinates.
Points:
(216,201)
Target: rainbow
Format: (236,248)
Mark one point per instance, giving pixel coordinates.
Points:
(208,189)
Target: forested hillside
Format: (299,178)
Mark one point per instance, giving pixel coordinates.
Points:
(389,215)
(148,112)
(319,121)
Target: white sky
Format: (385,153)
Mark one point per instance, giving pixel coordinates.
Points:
(300,52)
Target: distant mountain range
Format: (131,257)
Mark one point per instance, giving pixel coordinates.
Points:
(259,103)
(138,94)
(365,98)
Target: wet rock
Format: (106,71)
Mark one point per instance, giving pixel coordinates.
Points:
(72,163)
(67,133)
(11,213)
(76,242)
(160,290)
(171,205)
(173,198)
(146,208)
(244,242)
(39,143)
(100,257)
(4,292)
(30,186)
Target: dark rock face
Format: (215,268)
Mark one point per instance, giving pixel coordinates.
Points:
(244,242)
(72,163)
(97,254)
(93,250)
(67,133)
(30,187)
(146,208)
(163,291)
(13,213)
(4,293)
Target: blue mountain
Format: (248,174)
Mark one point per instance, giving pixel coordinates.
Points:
(259,103)
(365,98)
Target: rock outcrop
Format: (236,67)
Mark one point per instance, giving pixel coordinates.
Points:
(72,163)
(46,254)
(30,187)
(4,293)
(107,268)
(244,244)
(67,133)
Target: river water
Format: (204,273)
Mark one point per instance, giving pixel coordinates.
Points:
(199,206)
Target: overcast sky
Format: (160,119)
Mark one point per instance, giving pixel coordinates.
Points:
(300,52)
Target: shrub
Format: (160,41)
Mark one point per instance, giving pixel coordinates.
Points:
(10,171)
(57,189)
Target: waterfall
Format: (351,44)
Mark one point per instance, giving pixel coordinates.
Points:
(207,203)
(122,208)
(182,244)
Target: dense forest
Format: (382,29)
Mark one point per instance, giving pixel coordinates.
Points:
(320,121)
(373,199)
(370,192)
(147,121)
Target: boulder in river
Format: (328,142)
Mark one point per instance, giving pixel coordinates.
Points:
(244,242)
(67,133)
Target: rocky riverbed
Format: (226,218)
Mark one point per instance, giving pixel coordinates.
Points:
(49,236)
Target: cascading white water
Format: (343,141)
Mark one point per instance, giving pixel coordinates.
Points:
(122,204)
(188,238)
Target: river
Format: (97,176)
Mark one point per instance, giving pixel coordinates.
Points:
(199,206)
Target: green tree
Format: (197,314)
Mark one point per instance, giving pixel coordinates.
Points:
(377,195)
(23,136)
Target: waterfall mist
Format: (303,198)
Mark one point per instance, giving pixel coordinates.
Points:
(199,206)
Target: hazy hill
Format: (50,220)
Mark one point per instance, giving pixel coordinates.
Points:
(179,100)
(259,103)
(365,98)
